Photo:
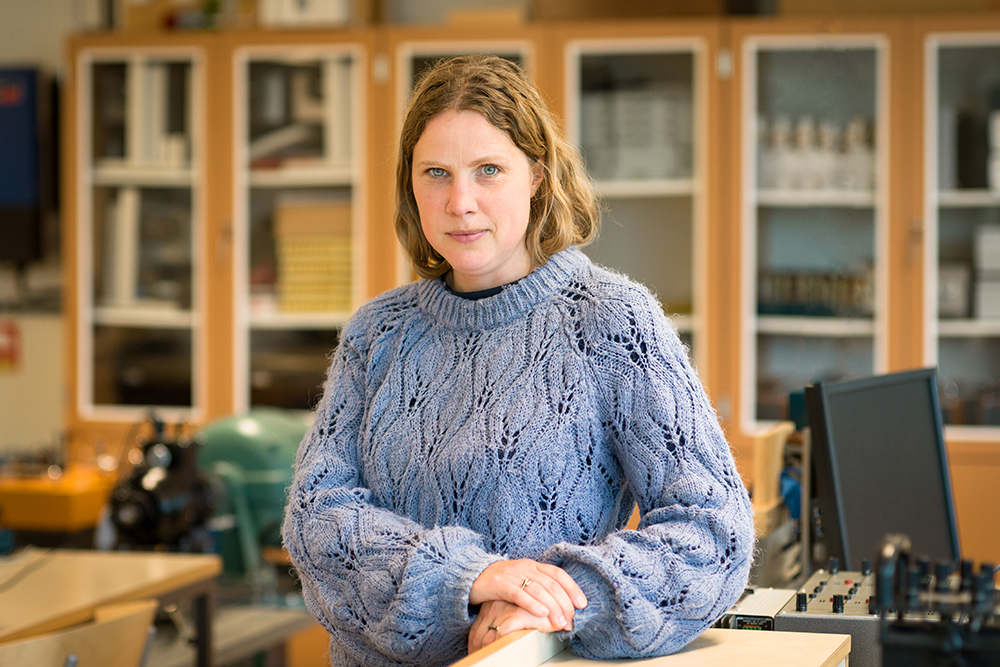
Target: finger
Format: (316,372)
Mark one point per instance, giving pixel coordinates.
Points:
(550,593)
(558,607)
(482,633)
(567,583)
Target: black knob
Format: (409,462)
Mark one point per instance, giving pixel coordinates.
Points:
(912,589)
(834,565)
(801,601)
(838,604)
(966,572)
(866,567)
(941,571)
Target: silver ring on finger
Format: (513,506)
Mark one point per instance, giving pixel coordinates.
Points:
(527,582)
(493,626)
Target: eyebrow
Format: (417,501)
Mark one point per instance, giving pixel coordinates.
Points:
(484,159)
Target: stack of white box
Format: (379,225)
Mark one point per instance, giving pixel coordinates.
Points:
(988,271)
(994,166)
(638,133)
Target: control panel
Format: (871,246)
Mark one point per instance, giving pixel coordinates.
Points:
(838,602)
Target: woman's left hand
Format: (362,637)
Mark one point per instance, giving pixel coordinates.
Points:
(498,618)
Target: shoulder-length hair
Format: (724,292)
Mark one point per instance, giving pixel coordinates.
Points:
(564,209)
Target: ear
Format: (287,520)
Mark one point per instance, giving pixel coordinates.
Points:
(537,173)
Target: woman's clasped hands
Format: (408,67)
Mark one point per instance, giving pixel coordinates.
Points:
(521,595)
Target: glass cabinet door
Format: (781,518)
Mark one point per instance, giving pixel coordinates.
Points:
(814,208)
(636,110)
(962,213)
(299,232)
(139,333)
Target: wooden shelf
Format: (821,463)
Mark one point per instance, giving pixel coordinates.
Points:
(307,176)
(807,198)
(968,198)
(671,187)
(837,327)
(143,316)
(968,328)
(153,175)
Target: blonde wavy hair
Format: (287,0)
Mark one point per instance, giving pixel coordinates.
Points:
(564,209)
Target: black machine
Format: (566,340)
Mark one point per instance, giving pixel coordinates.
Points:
(166,500)
(932,614)
(880,467)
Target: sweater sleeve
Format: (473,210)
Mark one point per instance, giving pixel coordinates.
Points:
(653,590)
(387,589)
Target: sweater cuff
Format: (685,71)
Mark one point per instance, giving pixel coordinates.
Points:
(463,569)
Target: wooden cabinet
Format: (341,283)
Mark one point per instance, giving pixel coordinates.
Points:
(801,202)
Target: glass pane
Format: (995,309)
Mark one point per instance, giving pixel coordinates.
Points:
(300,234)
(300,113)
(108,131)
(969,376)
(300,250)
(287,368)
(968,165)
(789,363)
(636,114)
(969,96)
(816,114)
(142,247)
(650,240)
(816,261)
(141,366)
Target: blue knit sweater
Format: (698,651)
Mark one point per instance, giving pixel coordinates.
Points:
(454,433)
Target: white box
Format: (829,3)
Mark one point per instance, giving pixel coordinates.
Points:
(953,289)
(988,299)
(988,247)
(303,12)
(993,130)
(993,171)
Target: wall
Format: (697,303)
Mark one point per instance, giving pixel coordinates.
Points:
(31,394)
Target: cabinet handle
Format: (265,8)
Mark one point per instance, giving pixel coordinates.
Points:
(915,240)
(724,63)
(224,242)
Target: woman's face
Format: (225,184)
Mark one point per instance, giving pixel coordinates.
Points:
(473,189)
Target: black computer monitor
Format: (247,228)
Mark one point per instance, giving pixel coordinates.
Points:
(879,466)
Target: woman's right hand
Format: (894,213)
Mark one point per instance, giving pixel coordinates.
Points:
(498,618)
(542,590)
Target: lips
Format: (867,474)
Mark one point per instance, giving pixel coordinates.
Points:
(469,236)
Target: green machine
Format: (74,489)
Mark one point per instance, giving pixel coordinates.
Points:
(249,459)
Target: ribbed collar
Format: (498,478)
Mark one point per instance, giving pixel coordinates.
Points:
(438,302)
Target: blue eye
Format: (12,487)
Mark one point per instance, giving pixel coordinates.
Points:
(436,172)
(490,170)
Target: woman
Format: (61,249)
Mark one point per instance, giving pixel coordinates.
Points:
(486,431)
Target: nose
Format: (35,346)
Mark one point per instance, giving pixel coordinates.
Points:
(461,197)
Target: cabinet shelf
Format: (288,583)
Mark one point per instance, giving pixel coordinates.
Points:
(144,316)
(968,328)
(800,198)
(124,173)
(838,327)
(674,187)
(302,176)
(968,198)
(304,321)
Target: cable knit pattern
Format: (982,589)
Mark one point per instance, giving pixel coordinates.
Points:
(454,433)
